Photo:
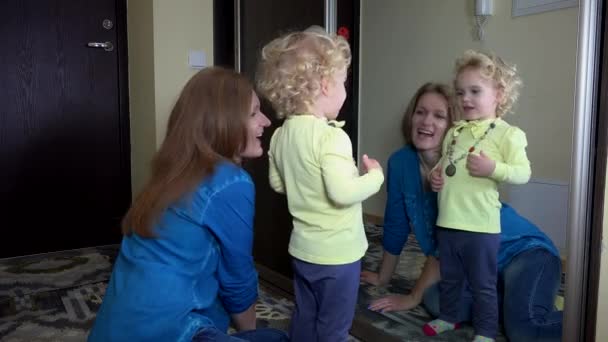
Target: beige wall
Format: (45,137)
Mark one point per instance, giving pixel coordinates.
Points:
(161,33)
(179,26)
(406,43)
(141,89)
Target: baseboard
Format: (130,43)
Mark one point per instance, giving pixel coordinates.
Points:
(275,278)
(375,219)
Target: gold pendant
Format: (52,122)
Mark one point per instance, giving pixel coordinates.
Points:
(450,170)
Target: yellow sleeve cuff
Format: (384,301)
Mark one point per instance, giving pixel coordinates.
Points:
(500,172)
(377,177)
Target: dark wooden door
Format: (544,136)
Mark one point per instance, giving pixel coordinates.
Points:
(64,148)
(260,22)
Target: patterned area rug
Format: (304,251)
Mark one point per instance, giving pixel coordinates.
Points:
(55,296)
(274,309)
(402,325)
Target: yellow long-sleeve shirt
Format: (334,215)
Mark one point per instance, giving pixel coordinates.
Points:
(310,160)
(471,203)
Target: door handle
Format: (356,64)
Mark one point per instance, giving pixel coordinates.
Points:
(108,46)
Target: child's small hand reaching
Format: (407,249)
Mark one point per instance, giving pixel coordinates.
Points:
(436,179)
(370,164)
(480,165)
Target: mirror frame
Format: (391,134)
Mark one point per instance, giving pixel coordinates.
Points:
(581,180)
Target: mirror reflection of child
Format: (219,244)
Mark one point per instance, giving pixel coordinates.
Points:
(479,152)
(302,74)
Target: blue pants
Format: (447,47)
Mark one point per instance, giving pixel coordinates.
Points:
(257,335)
(326,296)
(526,291)
(469,258)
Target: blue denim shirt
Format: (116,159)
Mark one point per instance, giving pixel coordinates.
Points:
(518,235)
(410,208)
(196,271)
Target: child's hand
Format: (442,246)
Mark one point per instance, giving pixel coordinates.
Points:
(436,179)
(480,165)
(370,164)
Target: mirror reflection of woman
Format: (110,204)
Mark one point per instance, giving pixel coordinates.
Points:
(526,257)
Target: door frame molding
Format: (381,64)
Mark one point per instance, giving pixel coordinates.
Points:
(123,98)
(331,16)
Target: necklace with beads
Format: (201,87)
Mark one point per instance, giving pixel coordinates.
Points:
(450,170)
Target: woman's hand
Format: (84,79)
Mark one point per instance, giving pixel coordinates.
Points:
(395,303)
(480,165)
(429,276)
(371,278)
(436,180)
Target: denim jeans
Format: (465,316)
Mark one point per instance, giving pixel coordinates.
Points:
(257,335)
(527,289)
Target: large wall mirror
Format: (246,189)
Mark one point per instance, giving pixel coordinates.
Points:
(400,45)
(407,43)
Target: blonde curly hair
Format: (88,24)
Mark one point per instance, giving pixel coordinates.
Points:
(493,68)
(292,67)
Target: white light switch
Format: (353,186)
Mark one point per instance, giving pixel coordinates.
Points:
(197,59)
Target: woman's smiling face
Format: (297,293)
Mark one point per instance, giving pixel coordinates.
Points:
(255,128)
(429,121)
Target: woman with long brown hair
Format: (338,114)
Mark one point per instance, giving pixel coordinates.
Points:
(185,267)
